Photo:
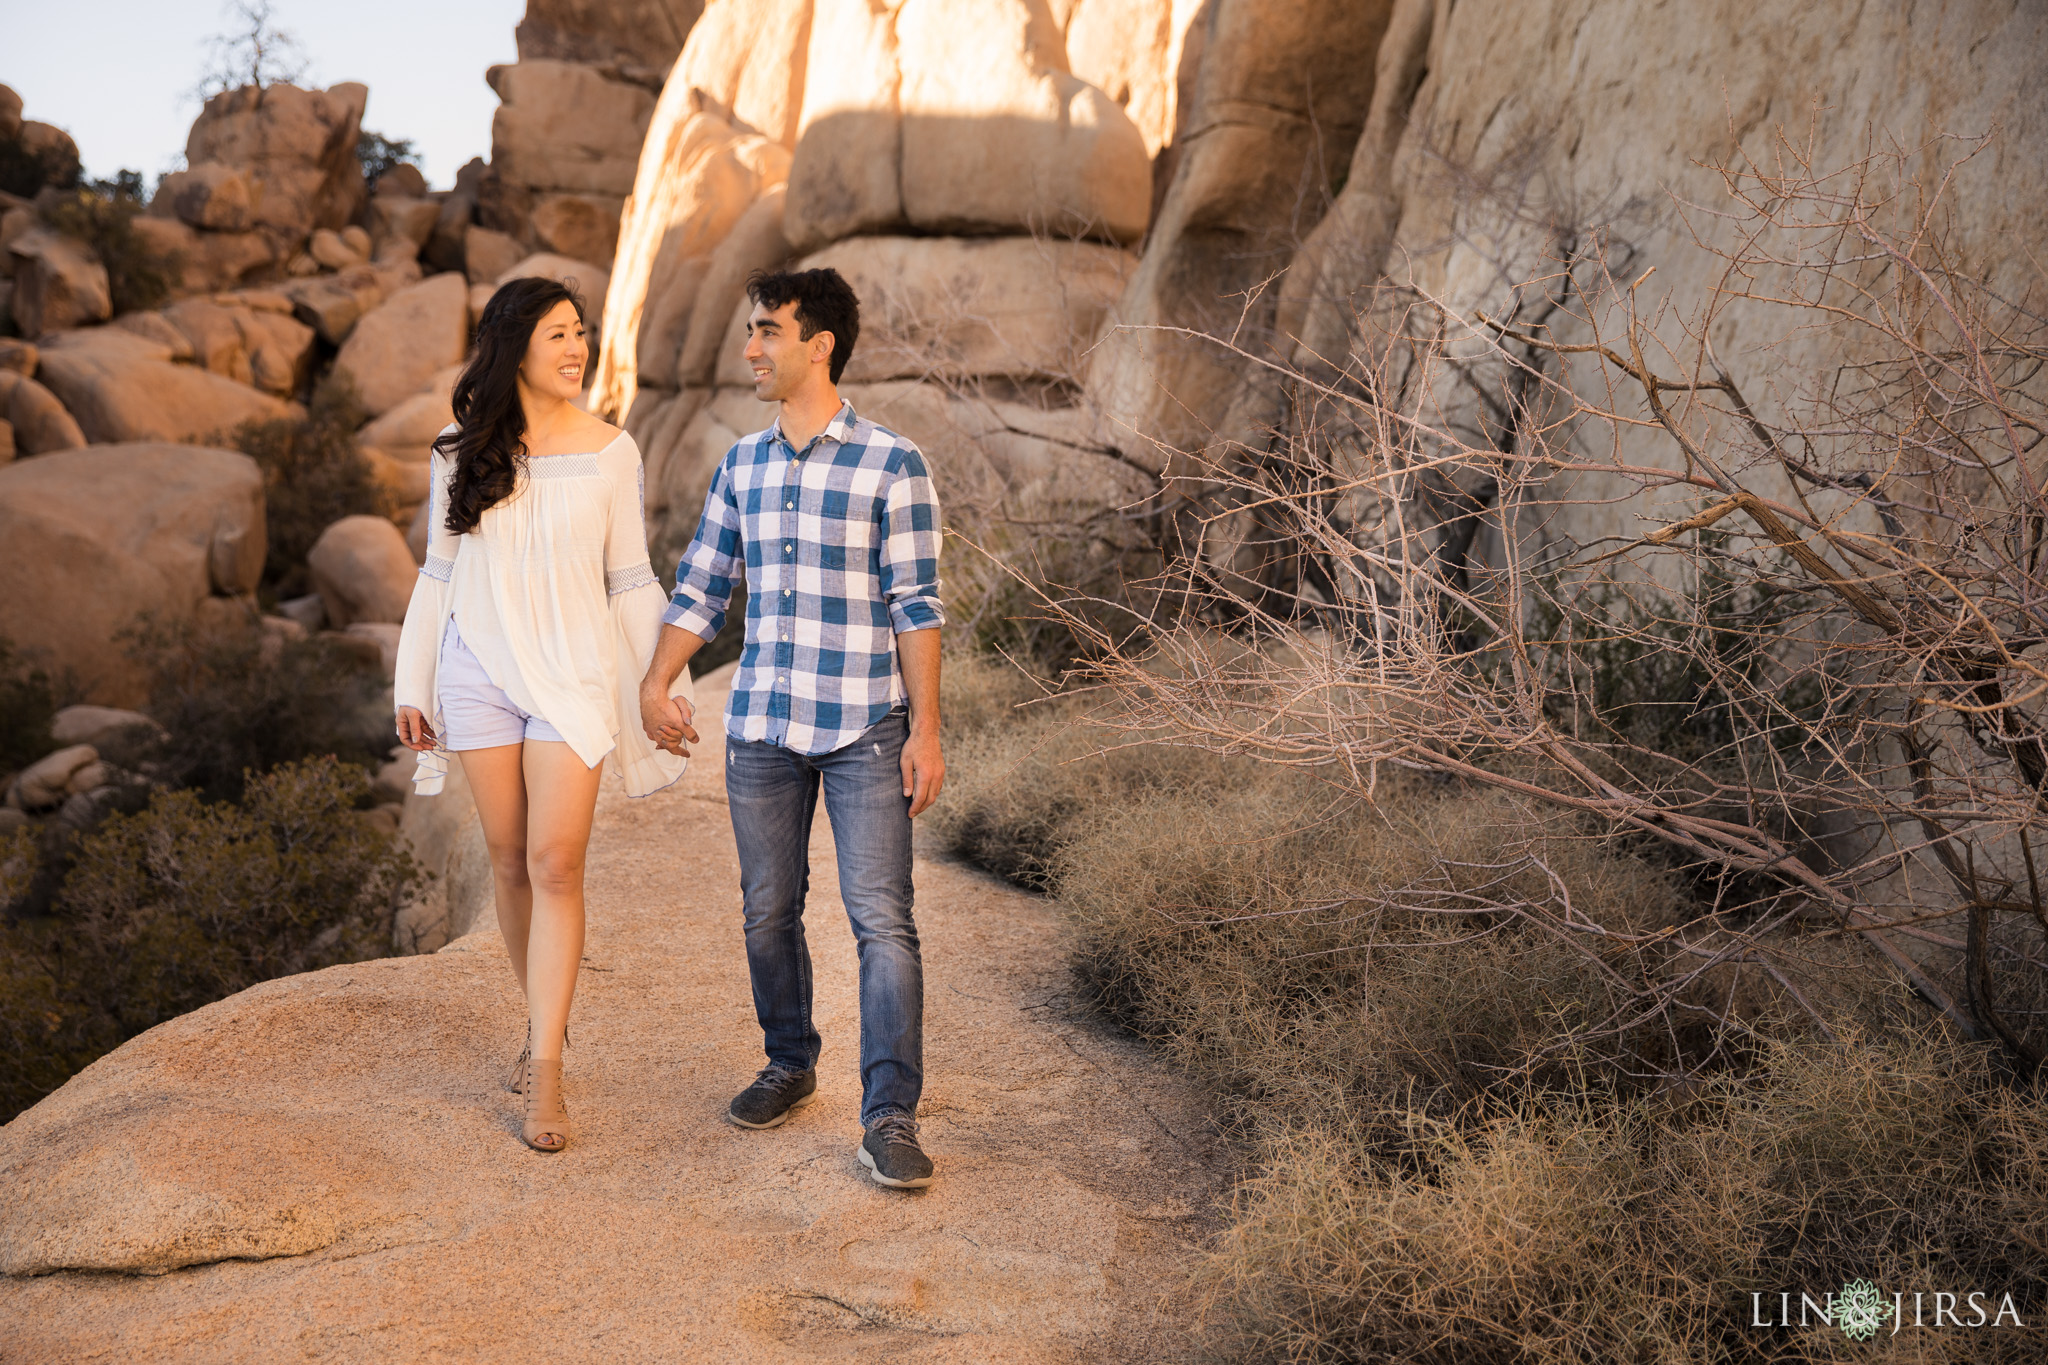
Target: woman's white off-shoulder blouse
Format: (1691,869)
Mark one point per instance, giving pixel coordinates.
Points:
(554,594)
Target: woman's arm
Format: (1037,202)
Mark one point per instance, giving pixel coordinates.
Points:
(419,641)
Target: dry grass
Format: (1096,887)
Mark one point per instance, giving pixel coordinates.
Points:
(1447,1171)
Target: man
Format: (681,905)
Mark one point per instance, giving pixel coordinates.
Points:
(837,525)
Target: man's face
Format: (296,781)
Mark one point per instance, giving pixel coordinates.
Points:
(782,360)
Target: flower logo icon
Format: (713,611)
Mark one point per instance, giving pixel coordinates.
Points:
(1859,1310)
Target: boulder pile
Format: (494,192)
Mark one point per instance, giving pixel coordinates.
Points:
(567,137)
(281,269)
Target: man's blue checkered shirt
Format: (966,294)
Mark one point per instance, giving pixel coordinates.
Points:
(841,547)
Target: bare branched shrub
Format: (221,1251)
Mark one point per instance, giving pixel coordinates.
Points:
(1813,687)
(1585,1232)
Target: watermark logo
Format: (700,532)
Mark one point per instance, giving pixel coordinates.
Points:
(1861,1310)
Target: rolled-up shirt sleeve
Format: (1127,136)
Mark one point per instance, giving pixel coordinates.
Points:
(706,572)
(910,549)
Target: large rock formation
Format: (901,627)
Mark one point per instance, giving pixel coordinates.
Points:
(100,538)
(1278,105)
(1496,124)
(942,118)
(276,157)
(33,156)
(566,140)
(122,386)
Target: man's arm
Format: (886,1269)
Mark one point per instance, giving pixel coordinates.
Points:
(924,766)
(909,565)
(696,611)
(667,719)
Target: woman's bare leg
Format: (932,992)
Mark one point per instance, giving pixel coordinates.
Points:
(497,780)
(561,801)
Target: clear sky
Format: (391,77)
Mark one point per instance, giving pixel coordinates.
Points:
(118,75)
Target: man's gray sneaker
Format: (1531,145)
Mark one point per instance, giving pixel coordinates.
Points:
(774,1093)
(891,1152)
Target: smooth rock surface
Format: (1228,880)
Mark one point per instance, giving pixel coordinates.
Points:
(201,262)
(362,571)
(206,195)
(101,536)
(41,423)
(698,174)
(958,116)
(58,282)
(96,725)
(407,431)
(1282,95)
(344,1133)
(47,781)
(584,227)
(123,387)
(565,126)
(394,351)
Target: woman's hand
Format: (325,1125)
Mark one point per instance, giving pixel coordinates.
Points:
(413,730)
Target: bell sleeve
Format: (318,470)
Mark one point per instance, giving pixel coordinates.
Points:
(426,617)
(636,603)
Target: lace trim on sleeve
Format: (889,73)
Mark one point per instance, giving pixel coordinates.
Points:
(438,568)
(625,580)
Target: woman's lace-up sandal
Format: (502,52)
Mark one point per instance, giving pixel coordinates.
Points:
(547,1118)
(515,1079)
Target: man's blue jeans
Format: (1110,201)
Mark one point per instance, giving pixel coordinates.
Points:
(773,793)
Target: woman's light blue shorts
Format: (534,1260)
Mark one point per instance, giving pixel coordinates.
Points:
(475,712)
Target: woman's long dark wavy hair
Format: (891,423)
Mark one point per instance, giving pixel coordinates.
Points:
(490,425)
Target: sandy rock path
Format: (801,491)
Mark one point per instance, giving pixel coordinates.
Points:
(324,1168)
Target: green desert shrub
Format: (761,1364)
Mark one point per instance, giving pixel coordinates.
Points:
(376,154)
(188,901)
(235,702)
(314,474)
(101,214)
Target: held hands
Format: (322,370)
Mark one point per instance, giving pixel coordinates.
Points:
(667,720)
(924,768)
(413,730)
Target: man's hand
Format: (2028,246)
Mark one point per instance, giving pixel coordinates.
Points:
(667,720)
(924,768)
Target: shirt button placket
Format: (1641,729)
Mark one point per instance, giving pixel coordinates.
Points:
(785,659)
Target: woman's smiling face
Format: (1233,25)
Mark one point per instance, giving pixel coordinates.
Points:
(555,355)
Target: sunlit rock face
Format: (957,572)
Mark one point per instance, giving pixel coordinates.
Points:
(955,160)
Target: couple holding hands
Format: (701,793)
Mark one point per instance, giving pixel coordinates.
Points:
(538,641)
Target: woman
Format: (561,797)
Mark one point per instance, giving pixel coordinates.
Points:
(534,616)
